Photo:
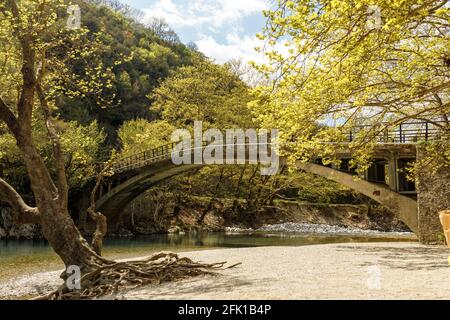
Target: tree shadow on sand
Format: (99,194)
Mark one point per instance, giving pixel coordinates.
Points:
(411,259)
(190,287)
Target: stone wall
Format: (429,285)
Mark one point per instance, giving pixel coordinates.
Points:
(10,230)
(433,197)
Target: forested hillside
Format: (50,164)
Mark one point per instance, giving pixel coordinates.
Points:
(124,86)
(140,58)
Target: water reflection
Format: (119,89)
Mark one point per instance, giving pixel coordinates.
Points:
(201,241)
(20,257)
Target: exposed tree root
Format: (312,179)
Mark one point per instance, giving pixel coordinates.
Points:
(159,268)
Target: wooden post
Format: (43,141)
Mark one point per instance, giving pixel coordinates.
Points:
(444,216)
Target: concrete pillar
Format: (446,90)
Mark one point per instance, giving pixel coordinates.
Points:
(393,172)
(433,197)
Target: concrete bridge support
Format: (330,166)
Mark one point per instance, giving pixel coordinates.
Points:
(433,197)
(405,207)
(388,167)
(392,171)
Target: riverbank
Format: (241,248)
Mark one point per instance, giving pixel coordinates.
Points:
(321,229)
(332,271)
(225,213)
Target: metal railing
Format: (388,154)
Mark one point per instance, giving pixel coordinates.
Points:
(407,132)
(141,159)
(165,152)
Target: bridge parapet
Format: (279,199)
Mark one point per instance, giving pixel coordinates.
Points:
(401,138)
(247,153)
(406,132)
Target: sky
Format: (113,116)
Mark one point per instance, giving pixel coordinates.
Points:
(222,29)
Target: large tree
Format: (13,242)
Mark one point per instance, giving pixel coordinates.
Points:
(37,58)
(377,63)
(31,35)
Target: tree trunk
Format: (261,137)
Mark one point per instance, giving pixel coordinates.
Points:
(57,226)
(51,196)
(60,231)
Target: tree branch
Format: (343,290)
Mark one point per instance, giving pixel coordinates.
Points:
(25,105)
(24,213)
(7,116)
(99,219)
(63,187)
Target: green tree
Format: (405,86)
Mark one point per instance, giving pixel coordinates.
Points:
(138,56)
(203,92)
(140,135)
(32,79)
(383,62)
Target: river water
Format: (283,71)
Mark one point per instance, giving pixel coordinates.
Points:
(27,257)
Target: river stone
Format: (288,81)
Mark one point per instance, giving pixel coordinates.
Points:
(27,232)
(317,229)
(6,220)
(3,233)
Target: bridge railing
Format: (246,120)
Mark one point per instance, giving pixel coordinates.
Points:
(165,152)
(140,159)
(407,132)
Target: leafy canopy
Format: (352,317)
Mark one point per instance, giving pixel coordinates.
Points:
(344,63)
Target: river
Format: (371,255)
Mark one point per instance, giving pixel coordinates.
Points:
(26,257)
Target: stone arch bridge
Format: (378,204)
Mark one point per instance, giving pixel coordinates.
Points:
(385,181)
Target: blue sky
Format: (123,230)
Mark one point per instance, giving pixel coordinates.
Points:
(222,29)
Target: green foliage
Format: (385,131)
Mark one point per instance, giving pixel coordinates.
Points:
(344,65)
(434,157)
(138,59)
(311,188)
(140,135)
(203,92)
(245,183)
(82,146)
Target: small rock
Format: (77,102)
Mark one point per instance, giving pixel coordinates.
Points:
(3,233)
(315,228)
(175,230)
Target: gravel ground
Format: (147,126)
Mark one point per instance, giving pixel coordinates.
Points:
(337,271)
(316,229)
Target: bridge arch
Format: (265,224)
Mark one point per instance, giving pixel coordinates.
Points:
(138,173)
(114,202)
(405,207)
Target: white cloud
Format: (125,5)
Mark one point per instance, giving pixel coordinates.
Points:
(236,47)
(216,26)
(196,13)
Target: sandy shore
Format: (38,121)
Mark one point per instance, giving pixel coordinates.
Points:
(340,271)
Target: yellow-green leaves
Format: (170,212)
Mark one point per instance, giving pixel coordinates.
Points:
(140,135)
(203,92)
(351,62)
